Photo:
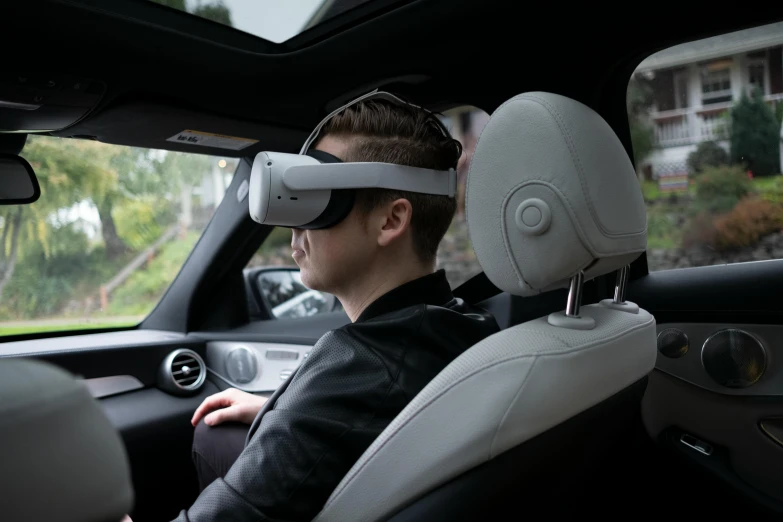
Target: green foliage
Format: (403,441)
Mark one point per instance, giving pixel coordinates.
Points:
(707,154)
(755,135)
(650,190)
(139,294)
(64,326)
(62,254)
(770,188)
(718,189)
(140,221)
(642,140)
(176,4)
(216,12)
(639,99)
(46,279)
(662,228)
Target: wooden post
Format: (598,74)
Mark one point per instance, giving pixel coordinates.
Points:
(104,298)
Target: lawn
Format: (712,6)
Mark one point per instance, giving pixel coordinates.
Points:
(61,326)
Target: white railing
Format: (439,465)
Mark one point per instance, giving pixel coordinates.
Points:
(713,126)
(696,124)
(687,126)
(673,131)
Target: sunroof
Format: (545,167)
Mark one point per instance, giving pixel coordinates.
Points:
(273,20)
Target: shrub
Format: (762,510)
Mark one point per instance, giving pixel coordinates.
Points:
(718,189)
(662,229)
(700,231)
(755,135)
(707,154)
(749,221)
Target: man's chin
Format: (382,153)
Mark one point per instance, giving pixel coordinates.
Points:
(306,277)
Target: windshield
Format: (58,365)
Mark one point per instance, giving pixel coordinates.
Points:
(111,230)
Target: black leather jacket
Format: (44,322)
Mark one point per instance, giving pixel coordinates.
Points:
(354,383)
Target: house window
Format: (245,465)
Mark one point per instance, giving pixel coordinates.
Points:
(756,75)
(681,89)
(716,83)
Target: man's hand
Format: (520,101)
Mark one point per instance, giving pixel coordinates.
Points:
(229,405)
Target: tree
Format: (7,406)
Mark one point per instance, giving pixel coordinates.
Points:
(9,245)
(707,154)
(639,100)
(176,4)
(216,12)
(755,135)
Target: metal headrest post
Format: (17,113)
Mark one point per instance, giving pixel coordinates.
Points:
(575,295)
(621,285)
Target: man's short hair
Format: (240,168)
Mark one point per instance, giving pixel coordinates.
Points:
(383,131)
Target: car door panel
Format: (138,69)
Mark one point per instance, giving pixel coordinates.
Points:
(684,403)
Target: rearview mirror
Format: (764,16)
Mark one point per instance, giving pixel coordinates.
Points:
(18,184)
(279,290)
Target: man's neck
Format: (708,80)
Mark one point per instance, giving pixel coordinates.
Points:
(377,281)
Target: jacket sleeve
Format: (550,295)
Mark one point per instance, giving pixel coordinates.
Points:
(319,427)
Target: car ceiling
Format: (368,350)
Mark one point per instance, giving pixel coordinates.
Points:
(167,71)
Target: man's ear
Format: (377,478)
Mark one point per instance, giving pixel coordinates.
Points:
(395,220)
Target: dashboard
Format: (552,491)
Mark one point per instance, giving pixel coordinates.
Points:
(252,366)
(177,364)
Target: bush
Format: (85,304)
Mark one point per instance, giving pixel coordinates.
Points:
(662,229)
(718,189)
(700,231)
(707,154)
(749,221)
(755,135)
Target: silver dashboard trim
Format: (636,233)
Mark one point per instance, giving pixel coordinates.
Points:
(267,378)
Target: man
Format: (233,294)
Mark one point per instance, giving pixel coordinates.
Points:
(406,326)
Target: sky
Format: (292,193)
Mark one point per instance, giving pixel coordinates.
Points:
(275,20)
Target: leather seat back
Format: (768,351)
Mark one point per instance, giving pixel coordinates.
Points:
(551,195)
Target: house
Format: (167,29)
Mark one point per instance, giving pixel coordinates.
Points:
(696,83)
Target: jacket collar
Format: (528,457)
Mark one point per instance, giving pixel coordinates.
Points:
(431,289)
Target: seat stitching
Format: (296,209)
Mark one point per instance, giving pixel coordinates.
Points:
(510,404)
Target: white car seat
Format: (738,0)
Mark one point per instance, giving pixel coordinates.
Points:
(520,422)
(60,457)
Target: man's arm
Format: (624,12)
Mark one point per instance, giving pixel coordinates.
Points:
(333,409)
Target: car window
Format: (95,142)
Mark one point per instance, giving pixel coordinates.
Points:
(455,255)
(705,119)
(111,229)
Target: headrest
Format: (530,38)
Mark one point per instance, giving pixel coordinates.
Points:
(551,191)
(61,458)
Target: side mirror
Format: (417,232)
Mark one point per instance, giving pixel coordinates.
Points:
(18,184)
(280,292)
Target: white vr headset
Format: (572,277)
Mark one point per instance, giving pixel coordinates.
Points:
(313,189)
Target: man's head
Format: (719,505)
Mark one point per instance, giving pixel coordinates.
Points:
(385,227)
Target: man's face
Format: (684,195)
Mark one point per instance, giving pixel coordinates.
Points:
(332,257)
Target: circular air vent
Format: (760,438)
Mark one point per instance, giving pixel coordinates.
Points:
(241,365)
(734,358)
(183,371)
(673,343)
